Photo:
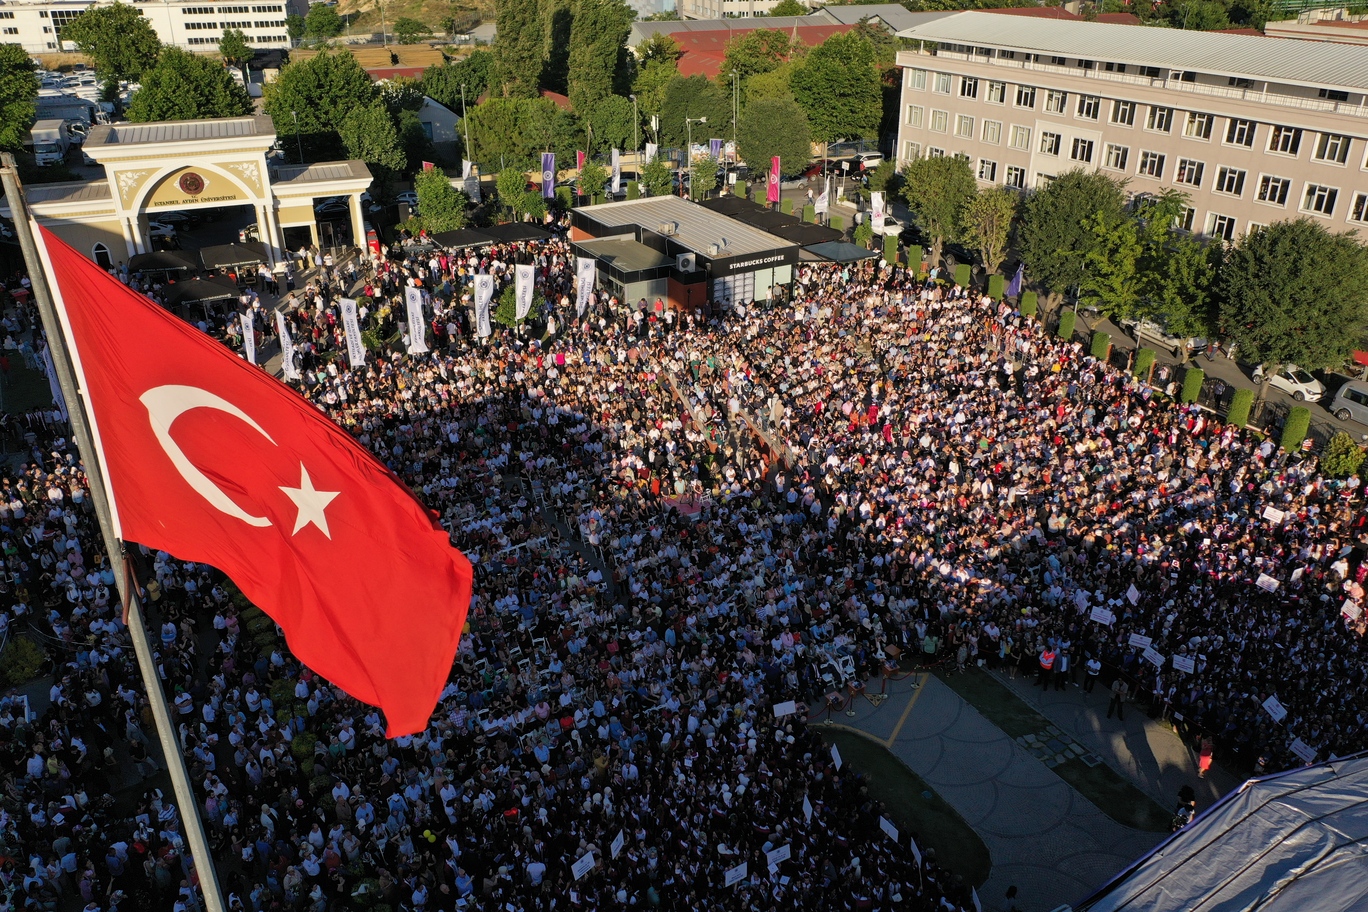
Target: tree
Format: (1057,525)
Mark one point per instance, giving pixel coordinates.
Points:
(117,37)
(235,50)
(368,133)
(839,88)
(777,83)
(506,314)
(443,207)
(518,48)
(656,178)
(597,51)
(295,26)
(1053,236)
(612,124)
(691,97)
(443,83)
(988,218)
(322,21)
(18,96)
(317,94)
(185,86)
(1295,292)
(1111,277)
(755,52)
(774,126)
(650,84)
(1180,294)
(507,131)
(938,191)
(788,8)
(659,47)
(703,178)
(592,180)
(411,31)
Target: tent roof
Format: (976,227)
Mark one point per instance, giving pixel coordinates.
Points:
(1285,843)
(201,291)
(841,252)
(516,231)
(161,261)
(462,237)
(225,256)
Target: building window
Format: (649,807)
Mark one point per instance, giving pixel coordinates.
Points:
(940,121)
(1240,82)
(969,87)
(1160,120)
(964,126)
(1221,226)
(11,31)
(1359,212)
(1049,143)
(1285,140)
(1082,150)
(933,152)
(1058,61)
(1021,137)
(1044,180)
(1274,189)
(1256,227)
(1151,164)
(1331,147)
(1198,126)
(6,15)
(914,115)
(911,151)
(1240,133)
(1025,96)
(1116,157)
(1185,219)
(997,93)
(1089,106)
(987,170)
(916,79)
(1319,199)
(1230,180)
(1056,102)
(1115,67)
(1334,94)
(1015,177)
(1189,172)
(1123,113)
(992,131)
(942,85)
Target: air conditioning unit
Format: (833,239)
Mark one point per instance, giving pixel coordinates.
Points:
(667,228)
(685,262)
(714,250)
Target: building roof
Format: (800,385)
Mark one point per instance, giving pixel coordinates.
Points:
(895,15)
(692,226)
(172,131)
(69,192)
(1321,65)
(376,59)
(625,254)
(320,171)
(705,51)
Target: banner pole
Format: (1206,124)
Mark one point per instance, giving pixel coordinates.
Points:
(200,854)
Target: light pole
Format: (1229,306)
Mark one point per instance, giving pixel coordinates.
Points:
(688,153)
(735,95)
(636,135)
(299,146)
(470,151)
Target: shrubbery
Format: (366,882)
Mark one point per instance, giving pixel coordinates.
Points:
(1192,385)
(1101,346)
(1144,362)
(1294,431)
(1342,456)
(1029,304)
(1240,403)
(1067,320)
(21,661)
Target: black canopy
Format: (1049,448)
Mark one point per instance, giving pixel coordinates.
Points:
(200,291)
(462,237)
(234,256)
(841,252)
(162,261)
(516,231)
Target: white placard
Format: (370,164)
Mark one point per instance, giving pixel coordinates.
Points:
(1273,514)
(413,302)
(1102,616)
(651,149)
(1303,750)
(1154,658)
(1185,663)
(586,274)
(287,349)
(618,841)
(1273,706)
(484,293)
(1133,595)
(735,875)
(583,866)
(787,708)
(248,338)
(1296,574)
(356,350)
(916,852)
(1351,610)
(1140,642)
(835,756)
(889,829)
(807,809)
(774,856)
(524,282)
(1266,582)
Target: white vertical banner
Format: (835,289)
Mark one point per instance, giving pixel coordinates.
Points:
(617,172)
(526,278)
(916,852)
(287,349)
(484,293)
(651,149)
(413,298)
(469,182)
(356,350)
(823,202)
(876,211)
(248,338)
(466,166)
(586,274)
(53,385)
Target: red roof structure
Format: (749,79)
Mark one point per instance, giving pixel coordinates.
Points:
(705,50)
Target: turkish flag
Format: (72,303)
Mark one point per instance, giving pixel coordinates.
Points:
(215,461)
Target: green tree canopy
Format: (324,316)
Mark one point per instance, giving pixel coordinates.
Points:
(939,190)
(770,127)
(656,178)
(838,86)
(702,178)
(402,93)
(988,218)
(777,83)
(612,124)
(512,131)
(1111,279)
(234,49)
(593,179)
(185,86)
(408,30)
(121,42)
(694,97)
(519,47)
(788,8)
(1181,293)
(322,21)
(317,94)
(368,133)
(1295,292)
(441,206)
(755,52)
(659,47)
(597,52)
(18,96)
(1054,239)
(444,82)
(649,86)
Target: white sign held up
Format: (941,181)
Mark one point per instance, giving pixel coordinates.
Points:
(1140,642)
(616,848)
(1303,750)
(1102,616)
(887,826)
(583,866)
(1184,663)
(1266,582)
(1153,657)
(734,875)
(835,756)
(1273,706)
(787,708)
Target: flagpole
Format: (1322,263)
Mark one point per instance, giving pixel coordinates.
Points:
(142,646)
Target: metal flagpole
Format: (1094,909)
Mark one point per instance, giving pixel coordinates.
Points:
(142,646)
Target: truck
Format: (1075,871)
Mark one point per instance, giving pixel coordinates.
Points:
(51,141)
(64,106)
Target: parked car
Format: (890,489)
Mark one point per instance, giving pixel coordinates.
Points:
(409,197)
(250,233)
(333,205)
(370,204)
(1156,335)
(1294,380)
(160,230)
(868,161)
(181,221)
(1351,402)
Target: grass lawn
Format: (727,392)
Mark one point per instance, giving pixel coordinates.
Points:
(933,822)
(1112,792)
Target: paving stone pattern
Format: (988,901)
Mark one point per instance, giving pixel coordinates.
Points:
(1053,747)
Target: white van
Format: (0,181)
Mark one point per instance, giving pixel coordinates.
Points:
(1351,402)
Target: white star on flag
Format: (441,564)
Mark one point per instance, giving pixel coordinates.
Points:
(311,503)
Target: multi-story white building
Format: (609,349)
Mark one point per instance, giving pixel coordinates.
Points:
(1253,129)
(36,25)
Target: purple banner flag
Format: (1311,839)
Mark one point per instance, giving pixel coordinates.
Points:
(548,180)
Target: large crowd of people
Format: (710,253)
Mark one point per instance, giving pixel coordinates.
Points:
(678,522)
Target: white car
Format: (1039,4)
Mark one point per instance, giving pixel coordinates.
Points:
(1157,336)
(161,230)
(1294,380)
(868,161)
(409,197)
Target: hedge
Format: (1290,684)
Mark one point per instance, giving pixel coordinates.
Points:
(838,223)
(962,274)
(996,285)
(786,206)
(1101,346)
(564,198)
(1240,403)
(633,190)
(891,248)
(1192,384)
(809,214)
(1294,431)
(1028,305)
(1342,456)
(1066,325)
(914,257)
(1144,363)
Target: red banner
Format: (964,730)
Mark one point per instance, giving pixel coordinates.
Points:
(772,192)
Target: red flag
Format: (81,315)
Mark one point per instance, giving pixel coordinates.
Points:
(428,166)
(214,460)
(772,191)
(579,160)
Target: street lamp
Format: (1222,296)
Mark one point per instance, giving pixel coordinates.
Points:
(688,153)
(636,124)
(470,151)
(299,146)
